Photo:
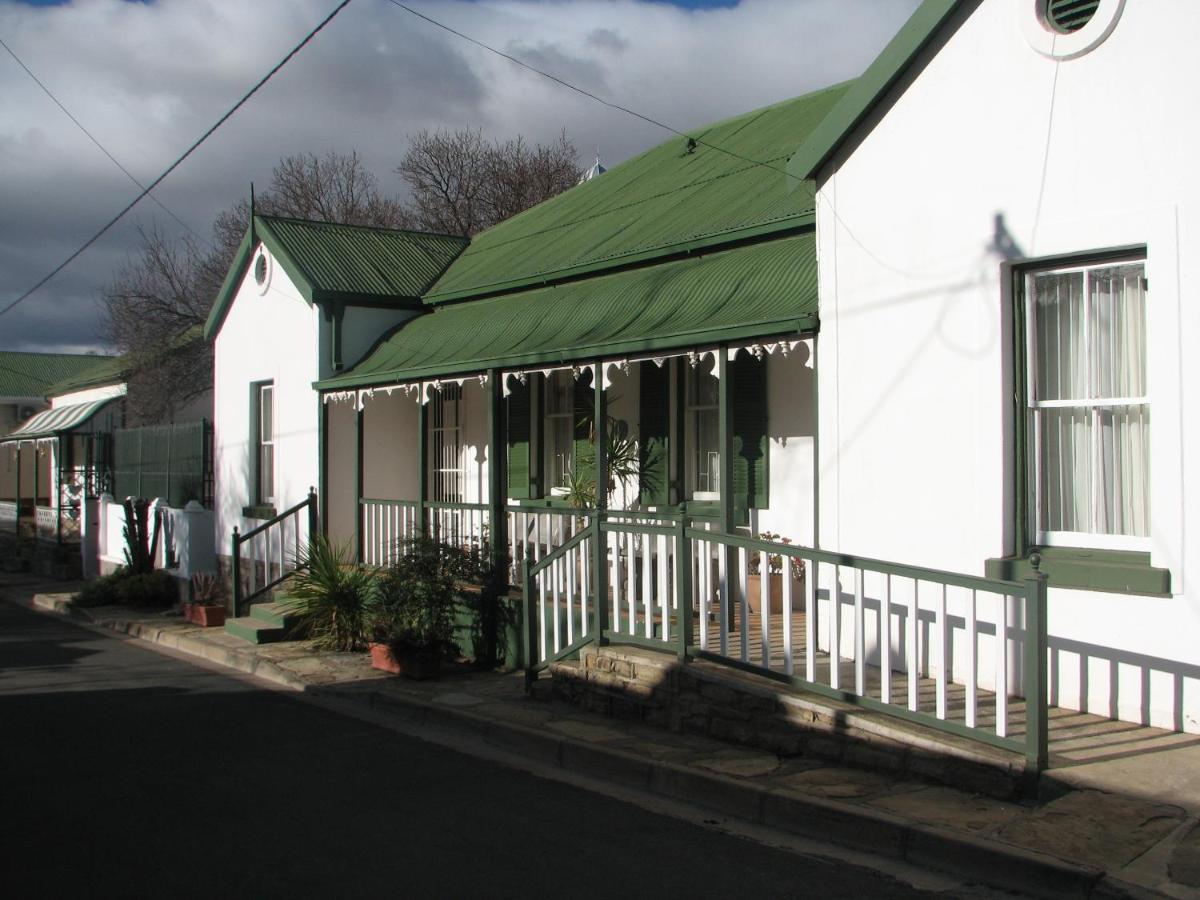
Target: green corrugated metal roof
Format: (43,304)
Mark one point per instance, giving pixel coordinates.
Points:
(660,199)
(106,370)
(758,290)
(368,262)
(33,374)
(326,260)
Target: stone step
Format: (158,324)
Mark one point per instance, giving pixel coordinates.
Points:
(256,631)
(281,613)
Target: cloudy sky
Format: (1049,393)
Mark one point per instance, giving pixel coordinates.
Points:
(147,79)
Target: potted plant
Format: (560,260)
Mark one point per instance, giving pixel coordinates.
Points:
(331,596)
(412,616)
(207,605)
(774,575)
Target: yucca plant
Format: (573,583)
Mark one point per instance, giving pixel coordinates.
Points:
(331,595)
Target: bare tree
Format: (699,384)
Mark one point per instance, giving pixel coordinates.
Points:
(163,294)
(462,184)
(152,311)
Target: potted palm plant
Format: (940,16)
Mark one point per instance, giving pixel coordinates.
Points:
(412,616)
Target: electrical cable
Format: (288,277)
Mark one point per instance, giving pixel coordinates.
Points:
(590,95)
(171,168)
(93,138)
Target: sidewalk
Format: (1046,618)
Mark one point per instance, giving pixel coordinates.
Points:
(1136,835)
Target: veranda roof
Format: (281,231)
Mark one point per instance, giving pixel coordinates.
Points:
(752,291)
(50,422)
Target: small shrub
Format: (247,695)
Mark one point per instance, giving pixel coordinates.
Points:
(102,591)
(153,590)
(414,607)
(331,595)
(208,589)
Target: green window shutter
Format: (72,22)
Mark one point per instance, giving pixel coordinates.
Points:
(517,406)
(748,394)
(654,410)
(583,454)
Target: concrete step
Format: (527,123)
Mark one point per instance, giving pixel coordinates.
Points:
(281,613)
(256,631)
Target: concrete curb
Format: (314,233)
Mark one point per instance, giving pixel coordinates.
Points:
(856,827)
(966,856)
(241,660)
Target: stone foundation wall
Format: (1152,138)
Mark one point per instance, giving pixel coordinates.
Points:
(706,699)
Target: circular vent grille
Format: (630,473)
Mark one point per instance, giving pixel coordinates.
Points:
(260,269)
(1067,16)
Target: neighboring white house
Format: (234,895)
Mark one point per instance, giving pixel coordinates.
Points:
(59,455)
(301,300)
(1005,215)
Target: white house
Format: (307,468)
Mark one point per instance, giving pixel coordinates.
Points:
(1005,205)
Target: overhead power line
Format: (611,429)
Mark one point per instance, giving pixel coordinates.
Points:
(171,168)
(92,137)
(586,93)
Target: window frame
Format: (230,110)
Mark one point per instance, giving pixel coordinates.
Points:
(264,495)
(1093,405)
(691,440)
(1081,568)
(449,397)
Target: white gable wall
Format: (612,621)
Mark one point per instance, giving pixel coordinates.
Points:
(915,373)
(270,335)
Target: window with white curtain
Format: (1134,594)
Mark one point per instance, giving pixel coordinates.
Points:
(702,465)
(1088,406)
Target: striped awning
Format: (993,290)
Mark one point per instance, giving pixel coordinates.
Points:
(50,422)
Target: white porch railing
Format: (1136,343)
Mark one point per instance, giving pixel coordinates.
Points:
(908,641)
(8,511)
(384,527)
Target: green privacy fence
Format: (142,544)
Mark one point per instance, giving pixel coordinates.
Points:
(169,461)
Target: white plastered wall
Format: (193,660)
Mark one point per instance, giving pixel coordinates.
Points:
(992,152)
(270,334)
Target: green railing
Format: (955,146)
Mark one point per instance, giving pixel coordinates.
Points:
(944,649)
(266,555)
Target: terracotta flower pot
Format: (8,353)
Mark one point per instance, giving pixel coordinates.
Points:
(382,659)
(412,662)
(204,615)
(775,587)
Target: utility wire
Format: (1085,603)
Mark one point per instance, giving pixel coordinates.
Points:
(589,94)
(171,168)
(92,137)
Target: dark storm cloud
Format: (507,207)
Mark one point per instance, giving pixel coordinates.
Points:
(147,80)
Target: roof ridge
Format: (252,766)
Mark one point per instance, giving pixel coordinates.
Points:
(413,232)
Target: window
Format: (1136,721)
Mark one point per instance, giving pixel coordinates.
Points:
(559,431)
(445,444)
(264,441)
(702,461)
(1088,410)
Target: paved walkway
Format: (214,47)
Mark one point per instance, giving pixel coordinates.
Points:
(1129,827)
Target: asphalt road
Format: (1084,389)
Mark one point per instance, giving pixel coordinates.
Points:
(128,773)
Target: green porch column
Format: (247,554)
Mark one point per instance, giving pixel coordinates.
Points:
(58,499)
(600,556)
(36,478)
(728,517)
(358,484)
(323,466)
(497,477)
(422,459)
(17,492)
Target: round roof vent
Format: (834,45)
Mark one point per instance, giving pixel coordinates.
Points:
(1068,16)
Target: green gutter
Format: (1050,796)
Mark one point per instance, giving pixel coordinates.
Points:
(780,228)
(762,331)
(870,88)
